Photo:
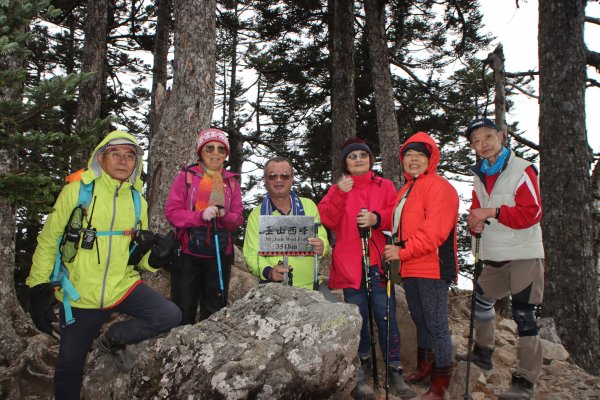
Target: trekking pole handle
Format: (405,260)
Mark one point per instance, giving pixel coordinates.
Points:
(363,232)
(388,238)
(214,220)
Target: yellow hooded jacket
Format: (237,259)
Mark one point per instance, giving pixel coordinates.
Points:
(100,275)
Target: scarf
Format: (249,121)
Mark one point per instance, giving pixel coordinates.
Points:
(266,207)
(489,169)
(211,189)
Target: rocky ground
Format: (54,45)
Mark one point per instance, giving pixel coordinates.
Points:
(560,379)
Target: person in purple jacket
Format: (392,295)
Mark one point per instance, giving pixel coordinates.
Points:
(200,193)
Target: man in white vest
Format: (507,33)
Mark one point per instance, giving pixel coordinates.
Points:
(506,211)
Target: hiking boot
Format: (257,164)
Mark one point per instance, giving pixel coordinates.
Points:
(480,356)
(362,390)
(440,381)
(520,389)
(117,352)
(401,389)
(425,359)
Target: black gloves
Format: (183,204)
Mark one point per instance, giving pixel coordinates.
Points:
(40,308)
(141,243)
(163,250)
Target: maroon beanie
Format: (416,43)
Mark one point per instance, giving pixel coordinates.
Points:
(355,143)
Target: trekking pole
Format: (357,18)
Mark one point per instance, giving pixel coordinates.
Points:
(287,273)
(316,269)
(389,286)
(221,287)
(476,272)
(364,234)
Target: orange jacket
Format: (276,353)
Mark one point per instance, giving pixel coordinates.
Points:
(428,222)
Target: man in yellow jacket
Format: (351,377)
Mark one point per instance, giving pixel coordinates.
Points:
(281,200)
(100,278)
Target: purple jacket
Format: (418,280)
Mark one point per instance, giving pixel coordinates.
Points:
(179,209)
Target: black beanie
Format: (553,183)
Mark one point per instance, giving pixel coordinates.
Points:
(416,146)
(355,143)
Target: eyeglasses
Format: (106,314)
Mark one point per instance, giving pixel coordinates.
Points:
(356,156)
(118,157)
(283,177)
(210,148)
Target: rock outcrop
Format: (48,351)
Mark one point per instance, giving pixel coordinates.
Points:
(275,343)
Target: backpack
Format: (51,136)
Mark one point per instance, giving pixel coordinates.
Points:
(60,274)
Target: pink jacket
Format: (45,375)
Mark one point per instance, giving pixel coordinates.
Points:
(179,209)
(338,211)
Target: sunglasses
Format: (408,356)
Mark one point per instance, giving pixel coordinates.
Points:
(210,148)
(283,177)
(356,156)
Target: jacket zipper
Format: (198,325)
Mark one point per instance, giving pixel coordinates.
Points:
(112,222)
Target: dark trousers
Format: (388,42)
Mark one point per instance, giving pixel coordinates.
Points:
(428,305)
(379,300)
(153,314)
(194,281)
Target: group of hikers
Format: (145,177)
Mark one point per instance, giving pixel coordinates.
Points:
(96,239)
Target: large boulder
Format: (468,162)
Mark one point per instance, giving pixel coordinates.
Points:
(277,342)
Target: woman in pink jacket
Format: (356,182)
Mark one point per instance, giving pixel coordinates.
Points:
(341,210)
(200,193)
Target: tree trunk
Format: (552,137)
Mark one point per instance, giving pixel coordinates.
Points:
(159,66)
(11,313)
(235,141)
(189,105)
(596,214)
(16,325)
(93,60)
(70,107)
(495,60)
(571,276)
(343,107)
(387,126)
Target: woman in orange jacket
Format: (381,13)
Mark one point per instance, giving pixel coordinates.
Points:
(424,221)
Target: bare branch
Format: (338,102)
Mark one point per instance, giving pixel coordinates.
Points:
(592,20)
(531,73)
(423,86)
(593,83)
(593,59)
(525,92)
(256,140)
(523,141)
(460,48)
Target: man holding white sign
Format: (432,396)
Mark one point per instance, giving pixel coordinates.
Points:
(278,237)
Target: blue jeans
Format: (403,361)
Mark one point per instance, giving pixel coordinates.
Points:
(153,314)
(378,300)
(428,305)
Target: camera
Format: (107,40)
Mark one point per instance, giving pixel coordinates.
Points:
(89,237)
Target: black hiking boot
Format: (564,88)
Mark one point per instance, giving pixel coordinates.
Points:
(362,390)
(480,356)
(400,387)
(117,352)
(520,389)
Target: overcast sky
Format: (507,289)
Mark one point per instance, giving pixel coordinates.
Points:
(516,28)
